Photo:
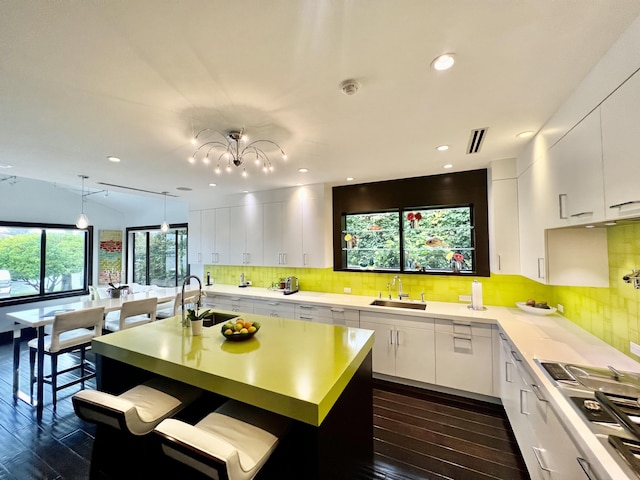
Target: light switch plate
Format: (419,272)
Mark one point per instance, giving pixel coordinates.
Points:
(561,308)
(635,348)
(347,289)
(464,298)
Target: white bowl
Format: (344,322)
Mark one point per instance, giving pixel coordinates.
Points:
(536,311)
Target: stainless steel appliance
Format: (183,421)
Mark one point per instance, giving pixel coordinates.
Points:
(291,285)
(607,401)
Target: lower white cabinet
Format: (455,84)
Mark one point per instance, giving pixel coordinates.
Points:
(548,451)
(464,356)
(274,308)
(229,302)
(326,314)
(403,348)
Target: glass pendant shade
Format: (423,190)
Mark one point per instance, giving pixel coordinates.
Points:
(82,221)
(164,227)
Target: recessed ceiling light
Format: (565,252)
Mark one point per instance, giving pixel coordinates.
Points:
(212,185)
(5,165)
(442,148)
(610,224)
(447,165)
(349,179)
(526,134)
(303,170)
(443,62)
(245,191)
(113,159)
(299,184)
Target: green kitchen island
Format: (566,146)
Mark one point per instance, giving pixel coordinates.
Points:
(316,374)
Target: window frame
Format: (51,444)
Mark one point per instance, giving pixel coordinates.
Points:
(461,189)
(88,263)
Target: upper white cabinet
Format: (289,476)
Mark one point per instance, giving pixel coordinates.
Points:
(575,164)
(315,233)
(221,237)
(194,253)
(246,232)
(282,234)
(620,128)
(503,215)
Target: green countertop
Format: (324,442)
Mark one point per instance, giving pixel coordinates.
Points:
(292,367)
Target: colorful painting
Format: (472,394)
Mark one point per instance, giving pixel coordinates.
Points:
(110,257)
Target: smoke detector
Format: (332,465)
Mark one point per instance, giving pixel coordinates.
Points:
(349,87)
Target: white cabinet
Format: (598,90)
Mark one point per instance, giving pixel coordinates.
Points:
(533,211)
(548,451)
(282,234)
(620,127)
(221,239)
(326,314)
(274,308)
(194,253)
(464,356)
(314,233)
(505,251)
(230,303)
(576,175)
(402,348)
(246,233)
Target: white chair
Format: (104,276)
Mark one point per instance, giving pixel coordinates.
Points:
(190,296)
(234,442)
(70,332)
(132,314)
(138,410)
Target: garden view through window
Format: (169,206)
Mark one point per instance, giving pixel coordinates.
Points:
(411,240)
(159,258)
(42,261)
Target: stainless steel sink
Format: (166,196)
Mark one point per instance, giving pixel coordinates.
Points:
(398,304)
(604,380)
(214,318)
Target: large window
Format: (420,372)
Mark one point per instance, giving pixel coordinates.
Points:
(43,261)
(419,239)
(434,225)
(158,258)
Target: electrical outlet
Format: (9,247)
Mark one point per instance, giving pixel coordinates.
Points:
(464,298)
(347,289)
(561,308)
(635,348)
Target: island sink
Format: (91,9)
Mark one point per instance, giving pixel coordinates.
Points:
(214,318)
(399,304)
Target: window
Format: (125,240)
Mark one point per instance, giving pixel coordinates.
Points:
(434,225)
(422,240)
(43,261)
(158,258)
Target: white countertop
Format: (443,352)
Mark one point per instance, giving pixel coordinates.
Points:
(551,337)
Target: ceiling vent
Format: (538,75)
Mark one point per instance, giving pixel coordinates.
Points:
(349,87)
(476,139)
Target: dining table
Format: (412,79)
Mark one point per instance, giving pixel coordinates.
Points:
(42,317)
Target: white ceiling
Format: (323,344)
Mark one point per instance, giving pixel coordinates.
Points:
(81,80)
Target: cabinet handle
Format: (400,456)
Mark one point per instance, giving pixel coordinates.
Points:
(248,257)
(538,392)
(273,304)
(235,309)
(507,377)
(199,257)
(524,407)
(397,337)
(586,468)
(502,336)
(305,306)
(624,204)
(515,356)
(337,310)
(305,258)
(302,317)
(468,343)
(284,258)
(390,337)
(581,214)
(540,270)
(499,263)
(562,200)
(217,258)
(537,452)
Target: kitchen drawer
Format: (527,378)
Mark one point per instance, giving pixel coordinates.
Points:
(229,303)
(327,314)
(469,329)
(274,308)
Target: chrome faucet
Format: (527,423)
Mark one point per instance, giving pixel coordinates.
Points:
(185,322)
(400,294)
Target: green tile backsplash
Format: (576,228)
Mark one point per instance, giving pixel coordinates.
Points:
(609,313)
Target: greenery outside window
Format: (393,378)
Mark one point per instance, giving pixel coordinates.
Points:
(419,239)
(158,258)
(43,261)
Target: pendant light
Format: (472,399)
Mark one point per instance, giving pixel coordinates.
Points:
(165,226)
(82,222)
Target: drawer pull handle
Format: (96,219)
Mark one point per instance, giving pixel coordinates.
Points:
(624,204)
(537,452)
(581,214)
(515,356)
(538,392)
(337,310)
(562,199)
(586,468)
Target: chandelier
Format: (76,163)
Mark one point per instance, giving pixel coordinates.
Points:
(233,152)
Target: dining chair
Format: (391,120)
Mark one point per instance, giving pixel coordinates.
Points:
(232,443)
(190,296)
(70,332)
(138,410)
(132,314)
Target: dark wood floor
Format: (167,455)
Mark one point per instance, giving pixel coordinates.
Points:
(418,434)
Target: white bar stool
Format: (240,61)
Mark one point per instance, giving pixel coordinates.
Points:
(234,442)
